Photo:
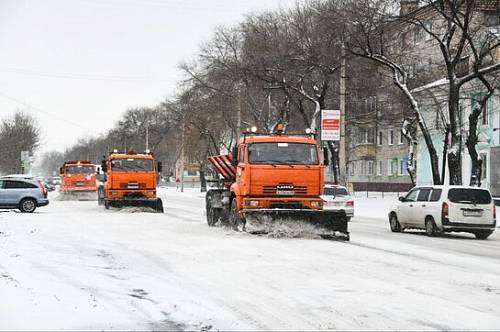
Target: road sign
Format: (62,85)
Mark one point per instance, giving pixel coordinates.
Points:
(25,155)
(330,125)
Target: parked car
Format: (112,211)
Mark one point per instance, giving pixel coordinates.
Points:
(496,200)
(49,185)
(23,194)
(439,209)
(18,176)
(338,198)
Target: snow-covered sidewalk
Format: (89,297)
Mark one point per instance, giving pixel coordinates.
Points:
(76,266)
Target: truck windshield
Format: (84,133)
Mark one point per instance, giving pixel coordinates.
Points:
(80,170)
(283,153)
(132,164)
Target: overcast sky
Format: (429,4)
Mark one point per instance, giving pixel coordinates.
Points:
(77,65)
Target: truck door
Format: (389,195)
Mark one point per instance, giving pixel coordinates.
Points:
(240,170)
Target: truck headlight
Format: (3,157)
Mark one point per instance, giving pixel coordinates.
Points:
(316,204)
(252,203)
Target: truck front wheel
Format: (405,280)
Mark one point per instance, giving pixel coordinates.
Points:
(235,220)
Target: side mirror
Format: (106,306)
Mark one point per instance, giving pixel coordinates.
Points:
(60,170)
(234,160)
(401,199)
(101,177)
(159,167)
(326,161)
(104,166)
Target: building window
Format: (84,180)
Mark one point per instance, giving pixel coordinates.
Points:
(401,138)
(389,167)
(428,27)
(484,115)
(417,35)
(402,167)
(484,166)
(380,136)
(379,168)
(371,104)
(391,137)
(403,40)
(365,136)
(362,169)
(369,165)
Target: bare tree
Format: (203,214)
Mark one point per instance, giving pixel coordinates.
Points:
(17,133)
(370,31)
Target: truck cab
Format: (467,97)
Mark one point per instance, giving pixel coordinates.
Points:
(78,177)
(278,171)
(130,180)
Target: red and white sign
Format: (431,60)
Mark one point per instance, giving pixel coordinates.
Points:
(330,125)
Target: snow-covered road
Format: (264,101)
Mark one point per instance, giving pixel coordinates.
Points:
(76,266)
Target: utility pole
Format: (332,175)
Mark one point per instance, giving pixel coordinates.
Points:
(343,136)
(147,138)
(182,156)
(238,115)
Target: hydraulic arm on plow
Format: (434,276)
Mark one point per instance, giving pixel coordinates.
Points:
(272,185)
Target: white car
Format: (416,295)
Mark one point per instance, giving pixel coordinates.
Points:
(439,209)
(338,198)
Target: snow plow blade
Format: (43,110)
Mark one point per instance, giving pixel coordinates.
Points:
(78,196)
(155,204)
(297,223)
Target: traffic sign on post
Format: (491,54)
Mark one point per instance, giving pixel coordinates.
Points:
(330,125)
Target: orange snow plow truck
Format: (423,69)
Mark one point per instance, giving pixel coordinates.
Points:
(271,184)
(130,180)
(78,180)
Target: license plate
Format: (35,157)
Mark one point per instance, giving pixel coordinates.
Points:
(133,186)
(79,184)
(467,213)
(285,192)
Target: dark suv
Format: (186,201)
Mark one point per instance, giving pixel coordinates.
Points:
(23,194)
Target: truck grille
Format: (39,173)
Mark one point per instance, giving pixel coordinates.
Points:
(273,190)
(132,185)
(285,205)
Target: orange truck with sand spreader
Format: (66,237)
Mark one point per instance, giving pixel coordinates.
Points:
(273,183)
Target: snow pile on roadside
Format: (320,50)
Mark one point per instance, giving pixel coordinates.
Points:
(77,266)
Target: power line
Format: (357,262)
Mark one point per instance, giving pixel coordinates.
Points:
(81,76)
(54,116)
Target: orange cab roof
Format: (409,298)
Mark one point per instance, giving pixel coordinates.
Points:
(126,156)
(77,162)
(277,138)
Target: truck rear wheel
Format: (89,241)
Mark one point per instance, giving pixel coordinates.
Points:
(212,216)
(106,204)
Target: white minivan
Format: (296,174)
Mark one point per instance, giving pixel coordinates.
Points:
(439,209)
